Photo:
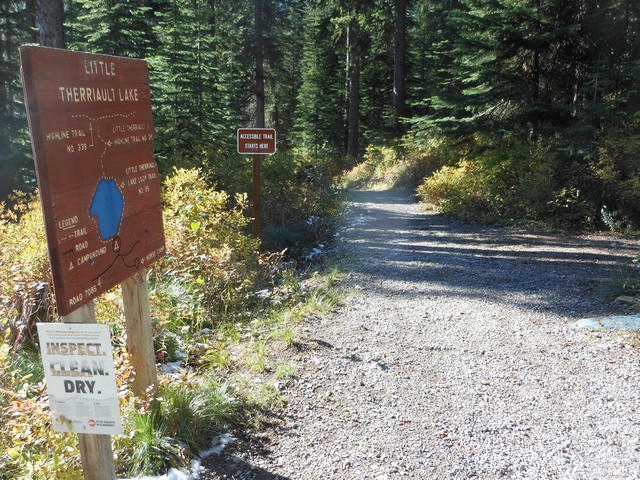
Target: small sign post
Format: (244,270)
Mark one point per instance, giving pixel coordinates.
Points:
(256,142)
(92,136)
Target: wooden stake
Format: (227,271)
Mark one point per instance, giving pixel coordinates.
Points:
(256,195)
(137,312)
(95,450)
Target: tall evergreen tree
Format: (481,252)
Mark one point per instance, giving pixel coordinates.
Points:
(199,76)
(377,98)
(355,14)
(259,62)
(284,50)
(17,26)
(432,84)
(113,27)
(319,121)
(400,60)
(50,21)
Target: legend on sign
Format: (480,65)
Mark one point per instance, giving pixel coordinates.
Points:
(256,141)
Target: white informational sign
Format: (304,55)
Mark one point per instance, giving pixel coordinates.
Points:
(80,374)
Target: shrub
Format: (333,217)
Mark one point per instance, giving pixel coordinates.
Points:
(379,169)
(403,166)
(209,253)
(188,414)
(25,290)
(29,448)
(456,190)
(299,201)
(626,281)
(616,168)
(497,179)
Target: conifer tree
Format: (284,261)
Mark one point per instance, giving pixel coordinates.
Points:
(113,27)
(399,60)
(17,26)
(199,78)
(284,50)
(378,73)
(319,120)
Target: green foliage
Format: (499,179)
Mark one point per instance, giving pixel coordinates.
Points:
(299,201)
(16,29)
(498,179)
(616,168)
(626,281)
(319,130)
(113,28)
(205,230)
(406,165)
(25,291)
(208,252)
(380,169)
(198,79)
(152,448)
(556,183)
(189,412)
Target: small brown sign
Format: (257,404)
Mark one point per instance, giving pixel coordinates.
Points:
(259,141)
(92,135)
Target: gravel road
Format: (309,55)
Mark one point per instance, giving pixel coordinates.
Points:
(457,359)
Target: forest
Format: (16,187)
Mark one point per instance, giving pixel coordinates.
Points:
(517,112)
(525,109)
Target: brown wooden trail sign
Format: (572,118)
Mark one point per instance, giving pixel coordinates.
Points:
(92,135)
(256,141)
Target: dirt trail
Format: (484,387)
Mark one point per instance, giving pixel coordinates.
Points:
(457,359)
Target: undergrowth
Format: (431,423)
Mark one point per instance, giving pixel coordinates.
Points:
(221,311)
(626,281)
(554,183)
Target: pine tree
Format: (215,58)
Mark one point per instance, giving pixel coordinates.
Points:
(50,19)
(200,79)
(432,84)
(17,26)
(319,121)
(400,61)
(284,51)
(113,27)
(377,98)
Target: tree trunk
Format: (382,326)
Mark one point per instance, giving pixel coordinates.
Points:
(353,80)
(259,42)
(31,7)
(399,61)
(50,17)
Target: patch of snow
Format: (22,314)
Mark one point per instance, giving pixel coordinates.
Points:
(616,322)
(316,251)
(172,368)
(219,443)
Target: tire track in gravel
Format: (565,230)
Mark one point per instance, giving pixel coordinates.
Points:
(456,359)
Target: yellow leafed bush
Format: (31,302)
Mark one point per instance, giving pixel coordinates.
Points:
(25,289)
(209,252)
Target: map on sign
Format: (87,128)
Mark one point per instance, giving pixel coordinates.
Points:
(92,134)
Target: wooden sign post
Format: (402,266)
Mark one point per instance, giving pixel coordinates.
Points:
(92,136)
(95,450)
(257,142)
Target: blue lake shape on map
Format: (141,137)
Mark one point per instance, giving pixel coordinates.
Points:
(107,206)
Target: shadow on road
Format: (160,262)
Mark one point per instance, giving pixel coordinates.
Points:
(231,463)
(560,273)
